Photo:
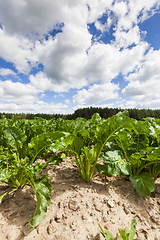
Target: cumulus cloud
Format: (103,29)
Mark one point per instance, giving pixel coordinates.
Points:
(149,69)
(19,97)
(43,83)
(136,11)
(64,57)
(105,61)
(96,93)
(144,83)
(125,39)
(72,59)
(36,107)
(97,9)
(28,18)
(17,91)
(17,50)
(6,71)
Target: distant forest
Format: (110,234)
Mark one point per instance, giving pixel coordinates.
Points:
(88,112)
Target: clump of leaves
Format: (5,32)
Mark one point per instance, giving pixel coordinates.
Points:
(127,235)
(88,142)
(134,151)
(18,167)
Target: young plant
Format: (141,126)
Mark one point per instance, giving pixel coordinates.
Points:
(88,143)
(127,235)
(18,167)
(131,154)
(106,233)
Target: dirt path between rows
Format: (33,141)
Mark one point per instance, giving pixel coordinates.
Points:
(77,207)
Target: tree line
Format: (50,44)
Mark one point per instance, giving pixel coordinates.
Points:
(87,113)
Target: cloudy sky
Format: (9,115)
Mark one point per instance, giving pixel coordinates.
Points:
(57,56)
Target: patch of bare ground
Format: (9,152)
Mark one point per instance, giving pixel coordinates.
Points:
(77,207)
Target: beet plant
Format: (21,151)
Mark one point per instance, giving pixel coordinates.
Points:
(18,166)
(88,142)
(136,150)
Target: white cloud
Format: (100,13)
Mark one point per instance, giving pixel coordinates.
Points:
(126,39)
(6,71)
(144,84)
(101,27)
(19,97)
(67,101)
(29,16)
(144,94)
(17,91)
(97,9)
(105,61)
(43,83)
(136,11)
(72,60)
(120,8)
(64,57)
(17,50)
(37,107)
(128,16)
(96,94)
(149,69)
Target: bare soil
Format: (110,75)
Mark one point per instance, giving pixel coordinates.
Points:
(77,207)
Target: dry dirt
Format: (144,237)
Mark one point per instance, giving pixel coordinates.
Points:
(77,207)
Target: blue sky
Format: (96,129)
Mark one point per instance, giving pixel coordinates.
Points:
(58,56)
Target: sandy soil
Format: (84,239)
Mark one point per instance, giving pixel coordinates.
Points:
(77,207)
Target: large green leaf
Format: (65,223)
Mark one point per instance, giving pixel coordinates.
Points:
(5,175)
(16,139)
(43,189)
(38,143)
(114,164)
(143,183)
(109,127)
(61,143)
(76,145)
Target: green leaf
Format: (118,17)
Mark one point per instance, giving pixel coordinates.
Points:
(5,175)
(106,233)
(76,145)
(39,166)
(15,137)
(61,143)
(90,154)
(123,234)
(143,184)
(3,195)
(108,128)
(133,229)
(114,165)
(38,143)
(127,232)
(43,189)
(96,117)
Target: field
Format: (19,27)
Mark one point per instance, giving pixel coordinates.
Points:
(60,179)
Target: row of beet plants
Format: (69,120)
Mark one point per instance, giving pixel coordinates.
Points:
(21,143)
(124,146)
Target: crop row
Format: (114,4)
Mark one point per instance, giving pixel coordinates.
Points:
(125,146)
